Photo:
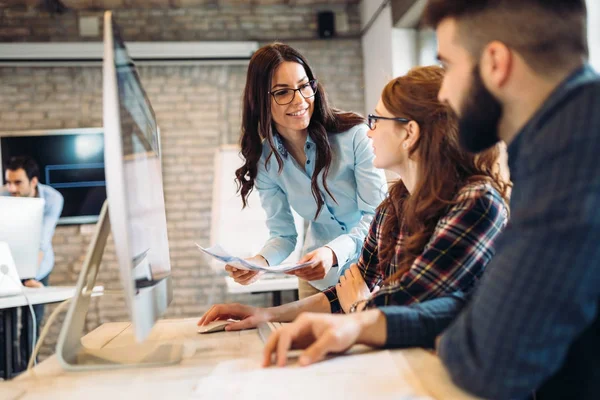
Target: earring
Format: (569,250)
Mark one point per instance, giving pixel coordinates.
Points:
(405,145)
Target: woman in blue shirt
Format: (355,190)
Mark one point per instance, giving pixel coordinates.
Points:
(300,153)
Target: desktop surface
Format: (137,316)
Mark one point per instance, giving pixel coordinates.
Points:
(204,360)
(43,295)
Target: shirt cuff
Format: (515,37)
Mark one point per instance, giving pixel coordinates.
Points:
(404,328)
(334,303)
(344,248)
(272,255)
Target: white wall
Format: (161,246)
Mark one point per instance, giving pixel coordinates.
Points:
(377,51)
(594,32)
(427,45)
(388,51)
(405,51)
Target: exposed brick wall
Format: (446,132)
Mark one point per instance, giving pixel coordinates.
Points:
(198,108)
(228,22)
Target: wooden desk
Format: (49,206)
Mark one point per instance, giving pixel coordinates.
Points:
(421,370)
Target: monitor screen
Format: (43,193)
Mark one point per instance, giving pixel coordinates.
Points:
(134,186)
(147,225)
(71,161)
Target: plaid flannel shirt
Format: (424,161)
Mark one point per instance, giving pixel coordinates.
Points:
(453,259)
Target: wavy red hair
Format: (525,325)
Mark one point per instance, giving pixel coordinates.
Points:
(444,167)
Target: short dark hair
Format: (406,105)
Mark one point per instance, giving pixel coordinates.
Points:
(550,35)
(26,163)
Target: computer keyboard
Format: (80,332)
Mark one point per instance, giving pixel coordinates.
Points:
(265,329)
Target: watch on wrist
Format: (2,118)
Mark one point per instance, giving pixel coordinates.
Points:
(354,306)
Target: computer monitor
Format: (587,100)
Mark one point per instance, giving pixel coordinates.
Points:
(134,186)
(21,221)
(9,278)
(135,209)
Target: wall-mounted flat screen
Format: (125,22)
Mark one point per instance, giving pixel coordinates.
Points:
(71,161)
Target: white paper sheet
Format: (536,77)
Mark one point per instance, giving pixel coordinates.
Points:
(218,253)
(363,376)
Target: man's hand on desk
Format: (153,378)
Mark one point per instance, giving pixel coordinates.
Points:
(250,316)
(244,277)
(32,283)
(321,334)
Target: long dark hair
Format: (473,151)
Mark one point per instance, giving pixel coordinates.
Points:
(257,124)
(444,168)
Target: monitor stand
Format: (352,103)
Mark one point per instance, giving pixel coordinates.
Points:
(71,353)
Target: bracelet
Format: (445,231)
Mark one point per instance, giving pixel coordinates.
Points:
(354,306)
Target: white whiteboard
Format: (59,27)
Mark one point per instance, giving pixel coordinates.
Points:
(241,232)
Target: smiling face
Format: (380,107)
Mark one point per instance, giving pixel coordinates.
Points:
(295,116)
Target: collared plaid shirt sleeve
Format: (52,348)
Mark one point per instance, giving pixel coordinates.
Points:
(367,262)
(457,253)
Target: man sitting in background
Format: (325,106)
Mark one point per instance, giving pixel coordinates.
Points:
(22,180)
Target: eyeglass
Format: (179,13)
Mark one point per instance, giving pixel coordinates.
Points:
(286,96)
(372,119)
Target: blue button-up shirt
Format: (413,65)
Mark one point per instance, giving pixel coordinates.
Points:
(52,210)
(358,188)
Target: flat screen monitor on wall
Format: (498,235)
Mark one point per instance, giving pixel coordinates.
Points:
(71,161)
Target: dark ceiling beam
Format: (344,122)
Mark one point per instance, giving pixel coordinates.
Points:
(400,8)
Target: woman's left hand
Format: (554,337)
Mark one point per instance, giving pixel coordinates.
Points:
(352,288)
(322,260)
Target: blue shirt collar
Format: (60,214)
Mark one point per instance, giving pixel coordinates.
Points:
(281,147)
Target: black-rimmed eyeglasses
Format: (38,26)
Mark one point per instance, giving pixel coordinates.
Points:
(286,96)
(372,119)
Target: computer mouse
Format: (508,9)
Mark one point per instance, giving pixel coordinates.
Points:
(215,326)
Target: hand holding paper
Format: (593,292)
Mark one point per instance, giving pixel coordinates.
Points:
(320,262)
(244,276)
(218,253)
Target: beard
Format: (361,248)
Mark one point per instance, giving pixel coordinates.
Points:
(480,116)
